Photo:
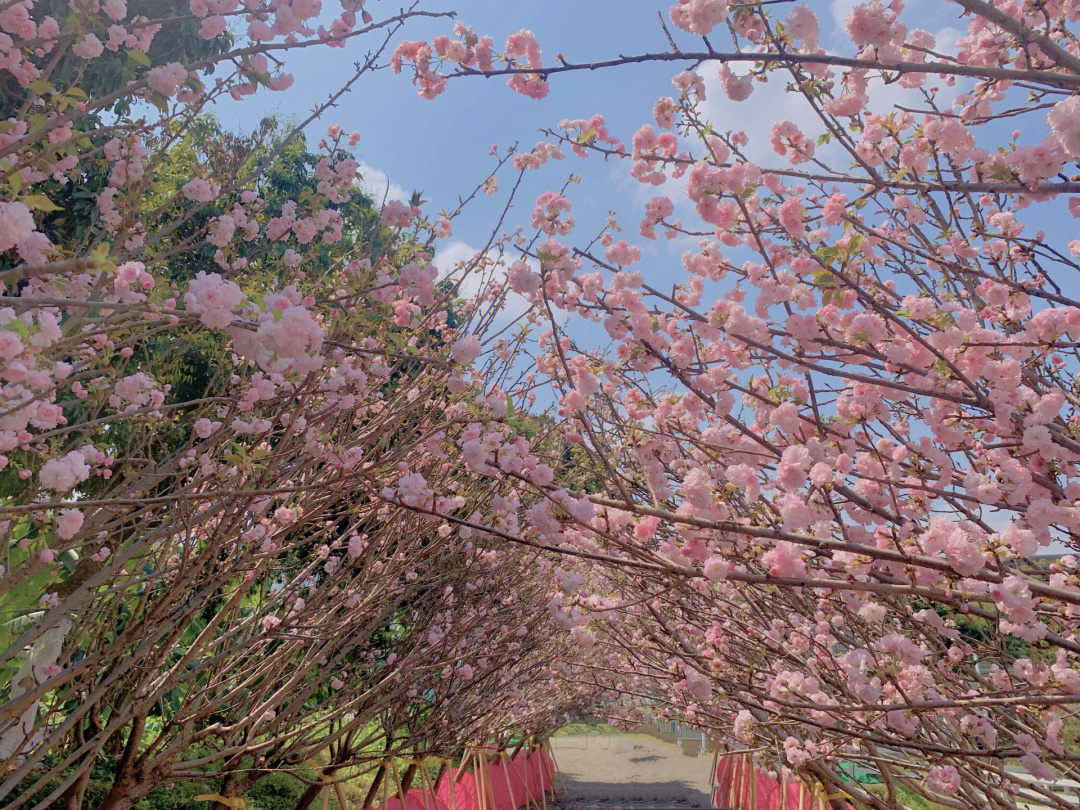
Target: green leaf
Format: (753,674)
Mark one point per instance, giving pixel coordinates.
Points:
(999,171)
(40,202)
(158,100)
(70,560)
(15,181)
(138,57)
(509,406)
(588,136)
(22,528)
(779,393)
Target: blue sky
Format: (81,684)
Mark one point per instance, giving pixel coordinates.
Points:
(441,147)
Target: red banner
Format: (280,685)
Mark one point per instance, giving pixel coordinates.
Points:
(506,784)
(740,785)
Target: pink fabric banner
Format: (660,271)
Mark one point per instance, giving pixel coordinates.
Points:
(740,785)
(511,783)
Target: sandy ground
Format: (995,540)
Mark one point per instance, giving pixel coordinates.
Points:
(617,769)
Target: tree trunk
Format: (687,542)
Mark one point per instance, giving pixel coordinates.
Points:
(407,778)
(228,784)
(72,797)
(373,791)
(311,792)
(121,794)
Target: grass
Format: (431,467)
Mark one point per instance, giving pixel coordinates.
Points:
(910,799)
(590,726)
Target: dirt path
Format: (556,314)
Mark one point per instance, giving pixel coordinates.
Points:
(631,769)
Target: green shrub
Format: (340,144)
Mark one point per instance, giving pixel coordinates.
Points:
(278,791)
(180,796)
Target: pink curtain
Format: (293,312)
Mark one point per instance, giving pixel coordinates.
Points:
(458,791)
(514,783)
(741,786)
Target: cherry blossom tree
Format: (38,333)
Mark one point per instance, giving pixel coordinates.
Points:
(833,444)
(813,489)
(229,429)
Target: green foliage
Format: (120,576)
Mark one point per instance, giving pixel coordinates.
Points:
(204,148)
(101,774)
(589,725)
(178,41)
(72,217)
(908,798)
(277,791)
(180,796)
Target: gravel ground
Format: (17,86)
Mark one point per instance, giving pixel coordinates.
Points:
(632,769)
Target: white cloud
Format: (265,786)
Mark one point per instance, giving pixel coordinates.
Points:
(377,183)
(840,10)
(454,262)
(772,100)
(769,102)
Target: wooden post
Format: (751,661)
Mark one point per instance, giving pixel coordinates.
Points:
(397,778)
(744,785)
(506,773)
(487,780)
(530,799)
(740,796)
(406,781)
(478,772)
(454,776)
(425,788)
(712,776)
(464,764)
(545,775)
(433,786)
(558,770)
(736,770)
(481,799)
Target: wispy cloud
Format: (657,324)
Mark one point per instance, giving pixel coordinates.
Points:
(454,255)
(377,183)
